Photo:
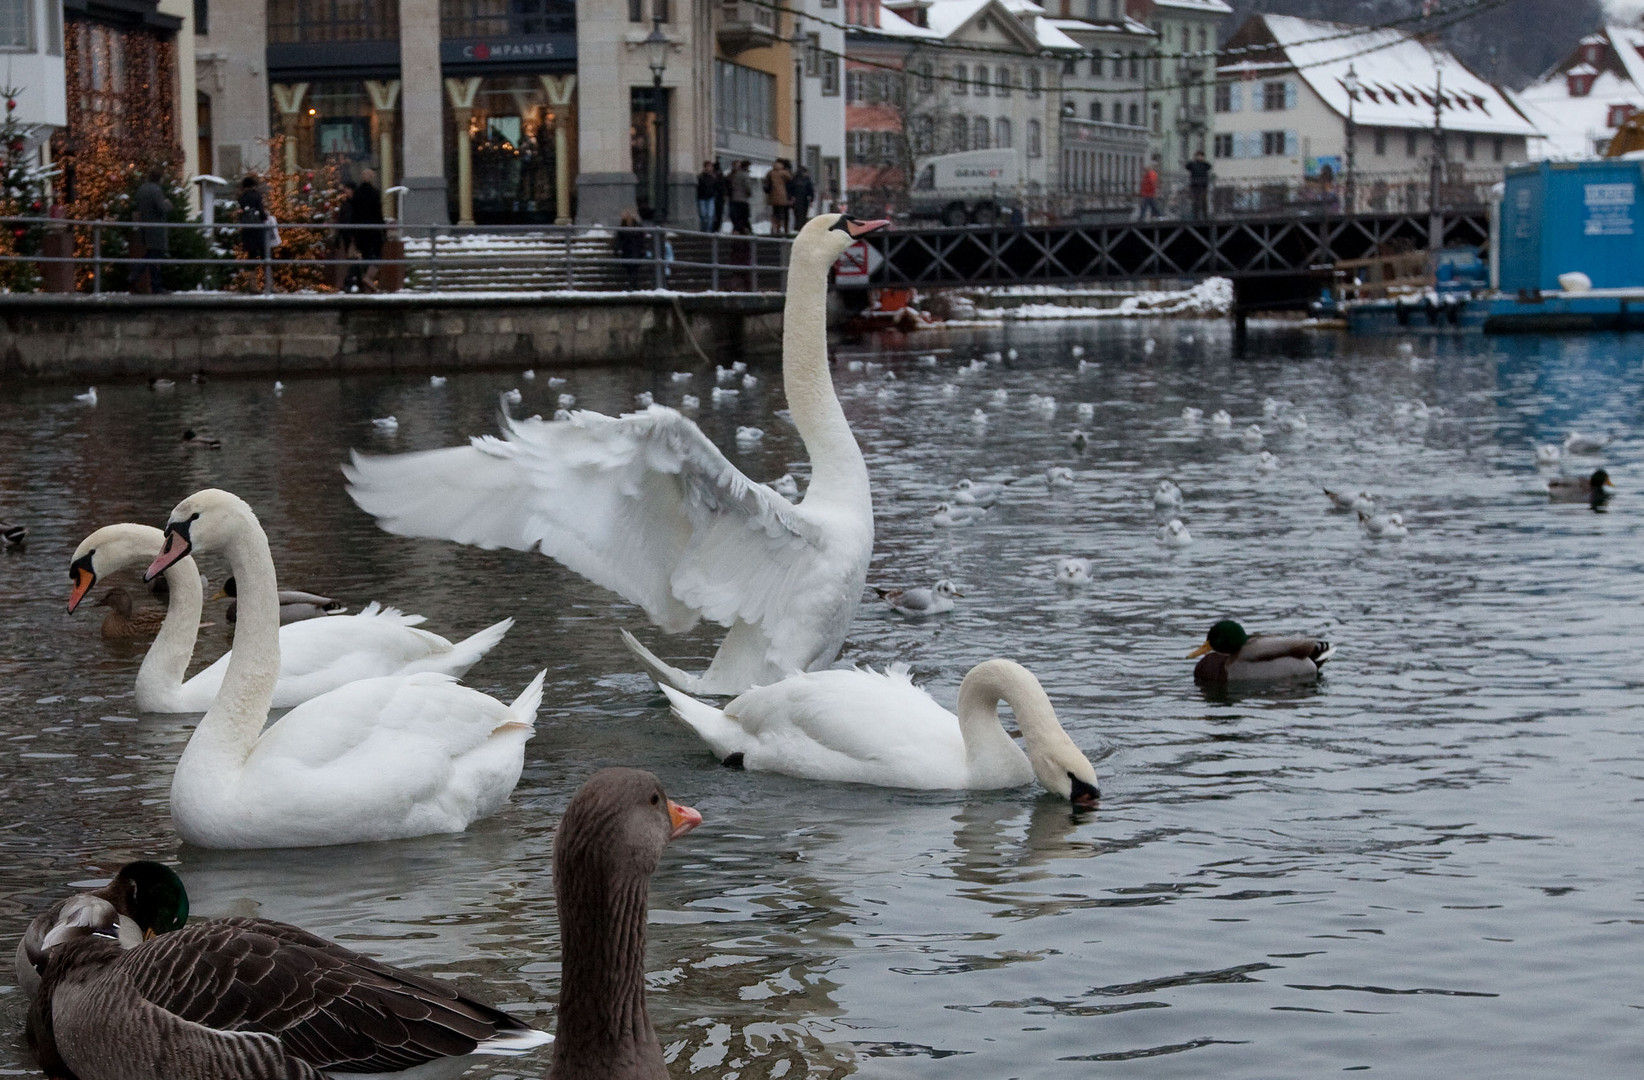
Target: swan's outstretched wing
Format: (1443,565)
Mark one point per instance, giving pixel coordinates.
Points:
(642,504)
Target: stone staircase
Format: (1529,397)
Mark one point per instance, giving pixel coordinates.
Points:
(555,260)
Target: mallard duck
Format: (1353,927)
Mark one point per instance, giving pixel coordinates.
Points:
(195,441)
(295,604)
(246,999)
(918,603)
(143,899)
(13,536)
(122,623)
(1580,488)
(1231,655)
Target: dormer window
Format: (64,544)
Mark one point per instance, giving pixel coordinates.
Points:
(1618,115)
(1579,82)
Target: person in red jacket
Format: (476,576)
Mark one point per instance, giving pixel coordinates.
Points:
(1149,191)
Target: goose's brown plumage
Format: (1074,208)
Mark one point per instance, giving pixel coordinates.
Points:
(607,847)
(250,999)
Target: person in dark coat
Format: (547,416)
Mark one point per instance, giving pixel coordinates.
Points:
(802,189)
(707,190)
(630,246)
(253,233)
(152,206)
(740,187)
(1198,184)
(365,208)
(722,196)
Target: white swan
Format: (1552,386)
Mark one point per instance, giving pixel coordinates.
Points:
(378,759)
(316,655)
(646,506)
(864,727)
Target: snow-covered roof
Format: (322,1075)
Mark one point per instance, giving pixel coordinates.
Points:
(1126,25)
(1572,124)
(946,16)
(1629,48)
(1208,7)
(1397,75)
(1582,69)
(893,25)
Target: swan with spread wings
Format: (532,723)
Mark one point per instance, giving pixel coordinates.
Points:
(646,506)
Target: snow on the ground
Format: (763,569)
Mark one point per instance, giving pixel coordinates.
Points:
(1213,296)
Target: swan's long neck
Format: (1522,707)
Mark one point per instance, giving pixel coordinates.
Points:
(987,746)
(230,727)
(838,471)
(603,1027)
(167,660)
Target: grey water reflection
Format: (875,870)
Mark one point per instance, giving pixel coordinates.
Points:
(1423,865)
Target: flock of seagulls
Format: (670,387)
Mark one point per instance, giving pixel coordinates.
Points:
(382,741)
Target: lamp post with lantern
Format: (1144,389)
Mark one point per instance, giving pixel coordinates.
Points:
(656,55)
(1351,82)
(799,43)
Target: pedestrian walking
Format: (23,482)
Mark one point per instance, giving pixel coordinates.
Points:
(741,191)
(803,190)
(253,231)
(1198,185)
(1149,191)
(152,206)
(365,208)
(777,197)
(707,190)
(630,245)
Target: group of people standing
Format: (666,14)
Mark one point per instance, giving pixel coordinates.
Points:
(361,205)
(720,195)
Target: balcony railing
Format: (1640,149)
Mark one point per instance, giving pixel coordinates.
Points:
(745,26)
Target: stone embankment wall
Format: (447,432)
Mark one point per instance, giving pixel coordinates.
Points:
(81,338)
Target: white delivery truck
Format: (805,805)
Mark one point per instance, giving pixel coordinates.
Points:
(971,187)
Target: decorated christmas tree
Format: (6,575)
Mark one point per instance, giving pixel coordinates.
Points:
(24,193)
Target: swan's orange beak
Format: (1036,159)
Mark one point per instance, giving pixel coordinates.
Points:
(862,228)
(684,818)
(1200,651)
(83,577)
(176,546)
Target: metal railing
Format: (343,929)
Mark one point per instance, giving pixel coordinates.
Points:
(106,256)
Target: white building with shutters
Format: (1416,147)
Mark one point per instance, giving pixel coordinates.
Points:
(1282,108)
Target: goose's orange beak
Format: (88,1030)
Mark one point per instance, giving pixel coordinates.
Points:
(1200,651)
(684,818)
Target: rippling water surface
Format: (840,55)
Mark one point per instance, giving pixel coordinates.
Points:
(1428,865)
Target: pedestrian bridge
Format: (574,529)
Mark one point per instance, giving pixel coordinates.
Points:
(1290,248)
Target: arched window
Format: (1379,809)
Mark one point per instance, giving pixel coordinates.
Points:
(1001,133)
(960,75)
(981,138)
(1007,76)
(961,133)
(981,80)
(1035,148)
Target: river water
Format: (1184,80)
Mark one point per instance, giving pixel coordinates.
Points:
(1427,865)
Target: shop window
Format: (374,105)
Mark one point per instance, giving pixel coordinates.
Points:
(506,18)
(308,21)
(17,25)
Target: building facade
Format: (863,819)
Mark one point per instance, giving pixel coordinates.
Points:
(31,48)
(1580,102)
(1105,142)
(1283,113)
(1179,114)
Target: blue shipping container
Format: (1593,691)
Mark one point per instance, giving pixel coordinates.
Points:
(1573,215)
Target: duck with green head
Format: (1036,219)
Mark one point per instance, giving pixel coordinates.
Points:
(1581,488)
(1232,656)
(142,900)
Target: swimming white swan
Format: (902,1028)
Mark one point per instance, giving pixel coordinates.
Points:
(378,759)
(864,727)
(316,655)
(647,507)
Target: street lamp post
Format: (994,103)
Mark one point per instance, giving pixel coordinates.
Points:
(799,42)
(1352,85)
(1435,219)
(656,55)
